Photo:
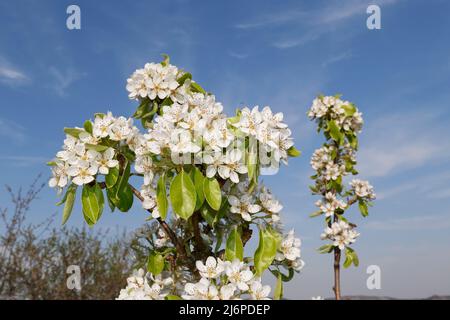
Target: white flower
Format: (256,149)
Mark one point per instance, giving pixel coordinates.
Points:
(289,247)
(362,189)
(106,161)
(149,195)
(341,233)
(233,166)
(82,173)
(227,292)
(202,290)
(211,269)
(243,206)
(269,202)
(102,124)
(59,174)
(144,165)
(238,274)
(258,291)
(120,129)
(249,121)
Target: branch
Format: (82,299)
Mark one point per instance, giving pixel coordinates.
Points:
(173,237)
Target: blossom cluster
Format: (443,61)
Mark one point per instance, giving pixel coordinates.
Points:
(363,189)
(86,153)
(341,233)
(336,109)
(290,252)
(225,280)
(251,206)
(145,286)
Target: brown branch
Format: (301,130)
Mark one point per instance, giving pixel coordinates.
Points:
(200,248)
(181,251)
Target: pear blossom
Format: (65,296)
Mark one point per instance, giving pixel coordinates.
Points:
(144,165)
(289,248)
(106,161)
(83,173)
(211,269)
(243,206)
(238,274)
(341,233)
(259,292)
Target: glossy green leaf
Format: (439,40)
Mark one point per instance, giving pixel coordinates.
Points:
(161,197)
(335,132)
(212,192)
(278,292)
(267,249)
(74,132)
(182,195)
(172,297)
(363,208)
(234,248)
(184,77)
(92,202)
(88,126)
(208,214)
(69,201)
(327,248)
(155,263)
(195,87)
(293,152)
(96,147)
(197,177)
(112,177)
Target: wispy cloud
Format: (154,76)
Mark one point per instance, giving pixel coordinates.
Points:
(238,55)
(318,22)
(23,161)
(336,58)
(401,142)
(425,222)
(12,131)
(63,79)
(10,74)
(273,19)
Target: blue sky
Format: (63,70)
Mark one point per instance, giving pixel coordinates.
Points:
(277,53)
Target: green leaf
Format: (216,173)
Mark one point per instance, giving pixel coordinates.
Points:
(182,195)
(172,297)
(96,147)
(51,163)
(124,201)
(348,260)
(208,214)
(349,109)
(74,132)
(161,196)
(197,88)
(142,109)
(326,248)
(93,201)
(88,126)
(335,132)
(112,177)
(69,201)
(184,77)
(267,249)
(316,214)
(363,208)
(166,60)
(293,152)
(155,263)
(234,248)
(198,178)
(212,192)
(284,277)
(278,293)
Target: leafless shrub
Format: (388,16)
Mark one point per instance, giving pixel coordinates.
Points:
(34,257)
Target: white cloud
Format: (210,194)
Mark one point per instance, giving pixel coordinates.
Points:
(401,142)
(23,161)
(425,222)
(12,131)
(11,75)
(63,79)
(238,55)
(336,58)
(273,19)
